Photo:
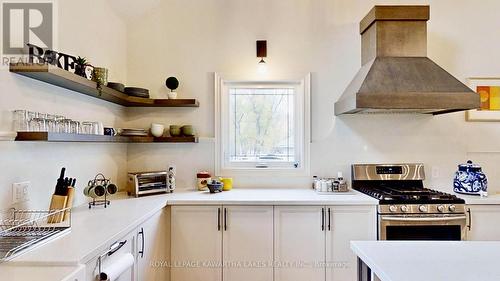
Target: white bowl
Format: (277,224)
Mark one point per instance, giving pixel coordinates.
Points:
(157,130)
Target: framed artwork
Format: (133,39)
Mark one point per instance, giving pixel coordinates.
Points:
(489,90)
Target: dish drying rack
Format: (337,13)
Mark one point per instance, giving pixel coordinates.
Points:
(23,229)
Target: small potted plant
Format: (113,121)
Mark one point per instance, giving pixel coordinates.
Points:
(172,83)
(80,66)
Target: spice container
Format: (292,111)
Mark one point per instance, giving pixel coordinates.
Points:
(330,185)
(203,178)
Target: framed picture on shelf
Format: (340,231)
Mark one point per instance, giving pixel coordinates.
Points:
(489,90)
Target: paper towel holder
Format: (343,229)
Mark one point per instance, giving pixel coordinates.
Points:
(112,249)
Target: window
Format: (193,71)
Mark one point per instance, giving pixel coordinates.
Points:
(262,126)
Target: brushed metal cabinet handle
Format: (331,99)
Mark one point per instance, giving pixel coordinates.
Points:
(142,242)
(322,219)
(329,220)
(469,225)
(225,219)
(218,219)
(115,247)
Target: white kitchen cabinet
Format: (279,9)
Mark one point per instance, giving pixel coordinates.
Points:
(153,248)
(482,222)
(127,246)
(196,243)
(299,243)
(345,224)
(247,243)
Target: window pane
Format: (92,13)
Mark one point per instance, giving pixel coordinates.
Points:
(261,125)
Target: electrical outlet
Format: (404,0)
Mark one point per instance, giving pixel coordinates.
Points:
(21,192)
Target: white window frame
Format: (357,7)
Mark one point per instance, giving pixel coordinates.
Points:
(302,121)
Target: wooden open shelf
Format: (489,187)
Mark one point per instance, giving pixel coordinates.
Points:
(57,76)
(60,137)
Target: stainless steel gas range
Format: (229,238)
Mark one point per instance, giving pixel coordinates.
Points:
(407,210)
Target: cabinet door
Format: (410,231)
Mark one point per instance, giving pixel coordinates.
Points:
(196,243)
(248,243)
(483,222)
(153,248)
(345,224)
(299,243)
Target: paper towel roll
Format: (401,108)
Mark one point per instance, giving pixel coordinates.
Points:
(112,271)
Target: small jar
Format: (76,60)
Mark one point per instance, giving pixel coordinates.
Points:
(203,178)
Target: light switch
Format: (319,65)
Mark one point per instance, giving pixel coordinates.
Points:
(21,192)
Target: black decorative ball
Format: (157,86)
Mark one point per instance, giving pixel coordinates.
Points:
(172,83)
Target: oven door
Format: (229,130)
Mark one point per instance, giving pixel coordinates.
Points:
(422,227)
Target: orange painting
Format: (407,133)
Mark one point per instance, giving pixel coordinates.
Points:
(490,97)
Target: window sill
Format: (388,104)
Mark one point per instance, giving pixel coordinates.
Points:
(264,172)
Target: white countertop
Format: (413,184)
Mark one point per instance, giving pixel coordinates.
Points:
(430,260)
(270,197)
(493,199)
(52,273)
(93,229)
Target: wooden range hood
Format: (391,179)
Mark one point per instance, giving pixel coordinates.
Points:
(397,76)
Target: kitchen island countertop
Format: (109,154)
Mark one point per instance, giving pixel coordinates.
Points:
(430,260)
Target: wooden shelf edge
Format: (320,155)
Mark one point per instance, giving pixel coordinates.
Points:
(61,137)
(59,77)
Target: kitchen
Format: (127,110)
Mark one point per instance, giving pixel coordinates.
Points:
(204,43)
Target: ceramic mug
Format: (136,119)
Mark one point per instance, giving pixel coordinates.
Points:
(157,130)
(175,130)
(111,188)
(187,130)
(228,183)
(94,191)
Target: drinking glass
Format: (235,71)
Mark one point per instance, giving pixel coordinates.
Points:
(37,125)
(30,115)
(63,125)
(87,128)
(50,122)
(20,120)
(74,127)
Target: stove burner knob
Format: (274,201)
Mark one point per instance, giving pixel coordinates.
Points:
(393,208)
(422,208)
(440,208)
(452,208)
(404,208)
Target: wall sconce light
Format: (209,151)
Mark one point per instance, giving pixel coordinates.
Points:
(261,50)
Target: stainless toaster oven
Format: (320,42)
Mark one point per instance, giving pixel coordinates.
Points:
(146,183)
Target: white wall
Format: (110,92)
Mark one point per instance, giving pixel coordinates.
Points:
(191,39)
(86,28)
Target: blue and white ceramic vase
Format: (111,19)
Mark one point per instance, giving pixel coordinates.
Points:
(470,179)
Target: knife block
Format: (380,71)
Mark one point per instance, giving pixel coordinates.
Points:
(69,202)
(57,203)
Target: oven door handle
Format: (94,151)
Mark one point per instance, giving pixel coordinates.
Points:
(454,218)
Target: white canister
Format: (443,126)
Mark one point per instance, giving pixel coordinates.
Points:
(202,179)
